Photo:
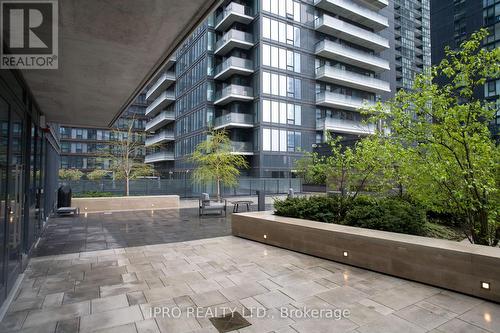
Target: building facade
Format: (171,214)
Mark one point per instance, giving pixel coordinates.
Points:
(450,30)
(85,148)
(276,75)
(29,159)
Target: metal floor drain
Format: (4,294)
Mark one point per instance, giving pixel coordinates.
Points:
(230,322)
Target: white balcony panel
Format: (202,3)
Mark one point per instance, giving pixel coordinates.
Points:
(231,39)
(335,51)
(232,120)
(378,4)
(159,157)
(349,32)
(163,136)
(354,12)
(164,81)
(339,101)
(163,100)
(160,120)
(233,93)
(350,79)
(234,12)
(241,148)
(345,126)
(233,65)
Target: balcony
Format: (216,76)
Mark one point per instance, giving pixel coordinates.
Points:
(231,120)
(241,148)
(335,51)
(163,82)
(339,101)
(379,4)
(233,65)
(354,12)
(165,99)
(159,157)
(344,126)
(233,93)
(350,79)
(234,12)
(161,119)
(231,39)
(163,136)
(349,32)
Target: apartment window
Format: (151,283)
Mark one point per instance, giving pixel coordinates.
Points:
(279,57)
(266,139)
(289,9)
(281,85)
(280,31)
(281,112)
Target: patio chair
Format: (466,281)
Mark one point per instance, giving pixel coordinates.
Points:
(208,205)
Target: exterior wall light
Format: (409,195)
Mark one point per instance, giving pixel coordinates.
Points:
(485,285)
(265,236)
(346,254)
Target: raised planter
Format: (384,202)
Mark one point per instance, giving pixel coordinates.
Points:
(104,204)
(451,265)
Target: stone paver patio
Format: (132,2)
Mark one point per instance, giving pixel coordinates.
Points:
(119,290)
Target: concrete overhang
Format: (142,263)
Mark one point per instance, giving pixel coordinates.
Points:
(108,50)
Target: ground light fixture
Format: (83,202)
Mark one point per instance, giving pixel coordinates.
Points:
(485,285)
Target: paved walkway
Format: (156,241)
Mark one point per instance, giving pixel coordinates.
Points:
(101,231)
(121,290)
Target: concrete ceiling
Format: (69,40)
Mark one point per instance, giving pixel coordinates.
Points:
(108,50)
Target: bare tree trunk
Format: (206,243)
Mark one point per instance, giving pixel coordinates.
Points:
(127,186)
(218,190)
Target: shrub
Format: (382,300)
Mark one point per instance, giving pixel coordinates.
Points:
(387,214)
(93,194)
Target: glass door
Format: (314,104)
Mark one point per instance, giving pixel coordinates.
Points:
(4,145)
(15,194)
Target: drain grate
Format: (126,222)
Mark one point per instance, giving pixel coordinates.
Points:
(230,322)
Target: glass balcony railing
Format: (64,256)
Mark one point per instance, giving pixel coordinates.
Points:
(163,82)
(159,157)
(165,135)
(161,119)
(234,12)
(233,38)
(352,56)
(233,92)
(242,147)
(345,126)
(340,101)
(233,65)
(338,28)
(351,79)
(161,101)
(234,120)
(351,10)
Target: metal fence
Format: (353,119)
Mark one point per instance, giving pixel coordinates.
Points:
(185,188)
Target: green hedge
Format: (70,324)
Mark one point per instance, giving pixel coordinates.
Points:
(94,194)
(388,214)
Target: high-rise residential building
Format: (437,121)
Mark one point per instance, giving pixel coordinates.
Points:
(85,148)
(276,75)
(453,21)
(412,40)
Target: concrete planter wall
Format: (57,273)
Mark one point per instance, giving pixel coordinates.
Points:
(90,205)
(446,264)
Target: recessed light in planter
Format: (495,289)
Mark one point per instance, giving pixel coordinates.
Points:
(346,254)
(485,285)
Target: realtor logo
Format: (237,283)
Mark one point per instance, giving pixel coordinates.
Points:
(29,34)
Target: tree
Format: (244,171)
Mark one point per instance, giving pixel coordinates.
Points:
(215,161)
(125,155)
(70,174)
(449,160)
(97,174)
